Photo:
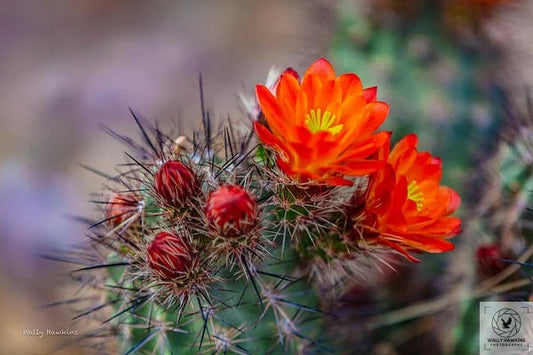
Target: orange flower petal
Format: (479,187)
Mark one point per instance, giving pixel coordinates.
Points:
(350,85)
(288,88)
(329,94)
(303,153)
(384,150)
(375,114)
(351,111)
(301,110)
(321,69)
(368,146)
(429,244)
(272,110)
(400,250)
(311,86)
(337,181)
(268,138)
(452,198)
(359,167)
(406,143)
(291,72)
(370,94)
(442,228)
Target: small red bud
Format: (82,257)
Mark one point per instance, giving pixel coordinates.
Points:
(174,182)
(487,263)
(231,210)
(169,255)
(119,208)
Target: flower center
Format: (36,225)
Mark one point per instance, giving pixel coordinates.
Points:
(318,122)
(414,194)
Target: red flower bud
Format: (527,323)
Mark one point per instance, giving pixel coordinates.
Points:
(169,255)
(231,210)
(174,182)
(487,260)
(119,208)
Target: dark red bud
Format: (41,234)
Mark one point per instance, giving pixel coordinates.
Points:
(169,255)
(487,260)
(231,210)
(174,183)
(119,208)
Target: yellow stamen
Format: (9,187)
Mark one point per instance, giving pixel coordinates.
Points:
(316,122)
(414,194)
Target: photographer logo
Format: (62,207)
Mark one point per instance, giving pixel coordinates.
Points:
(506,328)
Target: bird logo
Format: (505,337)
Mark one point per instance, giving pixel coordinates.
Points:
(506,323)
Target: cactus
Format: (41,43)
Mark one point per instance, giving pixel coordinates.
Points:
(216,245)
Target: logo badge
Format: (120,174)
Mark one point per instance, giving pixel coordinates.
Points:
(506,328)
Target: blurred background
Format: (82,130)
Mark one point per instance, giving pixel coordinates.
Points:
(452,72)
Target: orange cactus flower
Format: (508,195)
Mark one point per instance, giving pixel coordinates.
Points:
(322,129)
(406,207)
